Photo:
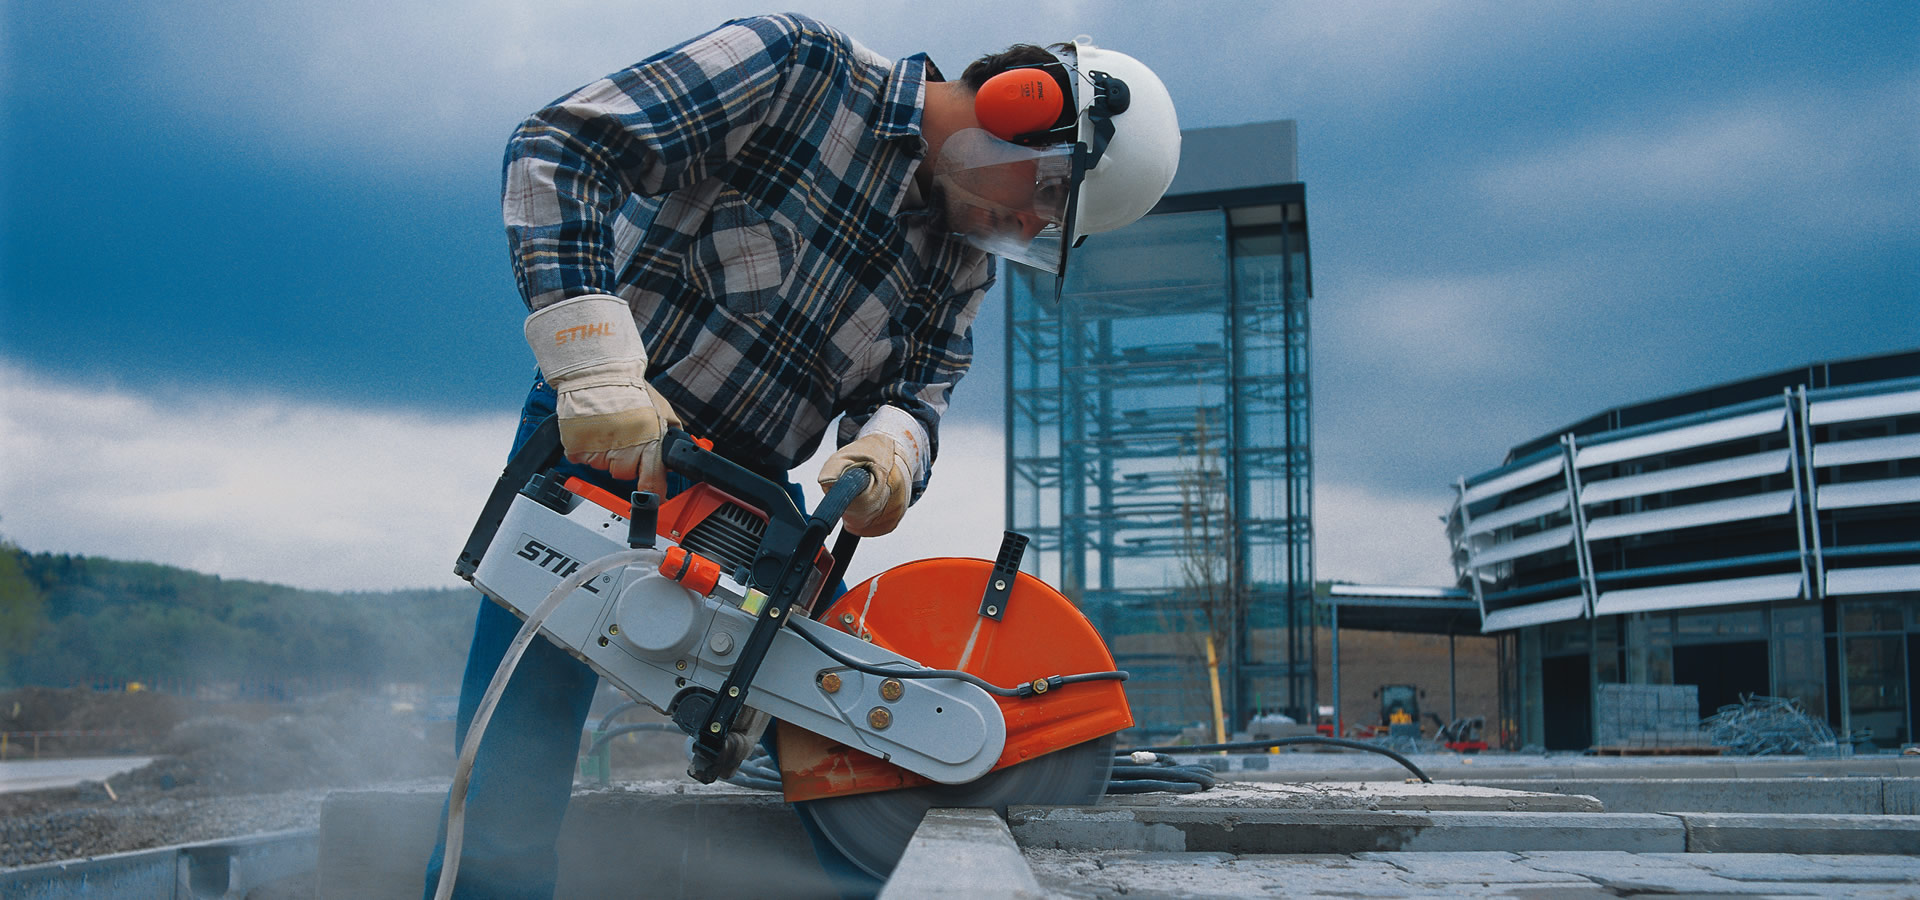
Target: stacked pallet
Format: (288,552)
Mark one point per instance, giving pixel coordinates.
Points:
(1649,719)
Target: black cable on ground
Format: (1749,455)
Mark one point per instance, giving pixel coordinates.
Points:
(1160,773)
(614,713)
(1283,742)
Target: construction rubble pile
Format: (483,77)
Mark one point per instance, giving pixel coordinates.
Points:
(1769,726)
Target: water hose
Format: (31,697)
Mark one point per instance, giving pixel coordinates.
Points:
(470,745)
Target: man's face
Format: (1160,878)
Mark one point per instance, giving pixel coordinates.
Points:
(1009,201)
(993,202)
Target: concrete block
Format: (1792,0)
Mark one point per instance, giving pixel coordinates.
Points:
(660,840)
(375,843)
(1189,829)
(1763,833)
(1900,796)
(1830,796)
(962,854)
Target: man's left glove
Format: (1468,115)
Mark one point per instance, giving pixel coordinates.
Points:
(589,350)
(890,447)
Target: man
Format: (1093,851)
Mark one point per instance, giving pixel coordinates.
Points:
(749,235)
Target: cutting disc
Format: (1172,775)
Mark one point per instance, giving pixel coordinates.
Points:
(873,829)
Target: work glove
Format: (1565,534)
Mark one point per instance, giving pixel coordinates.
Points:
(589,350)
(889,447)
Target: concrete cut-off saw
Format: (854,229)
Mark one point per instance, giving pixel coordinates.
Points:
(939,683)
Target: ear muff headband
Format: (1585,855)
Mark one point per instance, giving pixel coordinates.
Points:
(1028,105)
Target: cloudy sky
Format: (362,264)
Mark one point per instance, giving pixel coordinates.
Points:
(256,316)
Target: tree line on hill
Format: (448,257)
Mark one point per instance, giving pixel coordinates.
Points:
(67,620)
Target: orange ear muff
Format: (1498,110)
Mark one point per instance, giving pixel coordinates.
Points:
(1018,101)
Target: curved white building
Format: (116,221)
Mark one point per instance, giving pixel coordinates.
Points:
(1759,537)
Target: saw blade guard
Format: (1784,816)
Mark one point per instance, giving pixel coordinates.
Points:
(932,611)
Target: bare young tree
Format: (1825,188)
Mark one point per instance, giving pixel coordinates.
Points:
(1211,596)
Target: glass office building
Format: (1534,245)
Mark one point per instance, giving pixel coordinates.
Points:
(1159,434)
(1760,537)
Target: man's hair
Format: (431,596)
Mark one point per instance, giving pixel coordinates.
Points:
(1013,57)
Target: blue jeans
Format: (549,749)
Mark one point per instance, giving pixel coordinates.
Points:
(523,775)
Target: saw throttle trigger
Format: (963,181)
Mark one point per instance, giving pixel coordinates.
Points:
(1006,567)
(645,520)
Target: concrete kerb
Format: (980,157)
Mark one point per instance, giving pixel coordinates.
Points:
(1791,796)
(962,853)
(1764,833)
(233,867)
(1473,769)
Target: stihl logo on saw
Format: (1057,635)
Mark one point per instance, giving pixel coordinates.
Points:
(583,332)
(551,560)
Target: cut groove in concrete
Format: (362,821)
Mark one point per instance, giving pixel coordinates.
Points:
(962,853)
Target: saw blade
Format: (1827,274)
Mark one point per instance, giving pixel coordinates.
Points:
(873,829)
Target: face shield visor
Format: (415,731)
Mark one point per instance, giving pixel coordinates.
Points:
(1008,200)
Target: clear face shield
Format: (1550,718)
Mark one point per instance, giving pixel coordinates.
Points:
(1008,200)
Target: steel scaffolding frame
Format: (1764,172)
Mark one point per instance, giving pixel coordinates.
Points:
(1164,395)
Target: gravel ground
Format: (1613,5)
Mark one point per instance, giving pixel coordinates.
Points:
(49,826)
(223,771)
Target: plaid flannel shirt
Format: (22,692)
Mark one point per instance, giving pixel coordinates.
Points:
(744,193)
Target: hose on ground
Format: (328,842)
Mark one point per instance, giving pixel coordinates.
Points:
(1290,741)
(605,735)
(1147,773)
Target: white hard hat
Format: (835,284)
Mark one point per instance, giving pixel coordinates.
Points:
(1094,166)
(1134,163)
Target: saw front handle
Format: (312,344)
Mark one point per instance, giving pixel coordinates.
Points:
(781,569)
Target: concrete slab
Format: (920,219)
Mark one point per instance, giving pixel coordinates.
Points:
(1764,833)
(1125,874)
(1484,867)
(1472,768)
(1657,873)
(963,854)
(1740,873)
(660,839)
(1797,796)
(1781,867)
(1375,795)
(1179,829)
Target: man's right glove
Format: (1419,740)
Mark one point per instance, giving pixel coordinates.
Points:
(610,418)
(890,447)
